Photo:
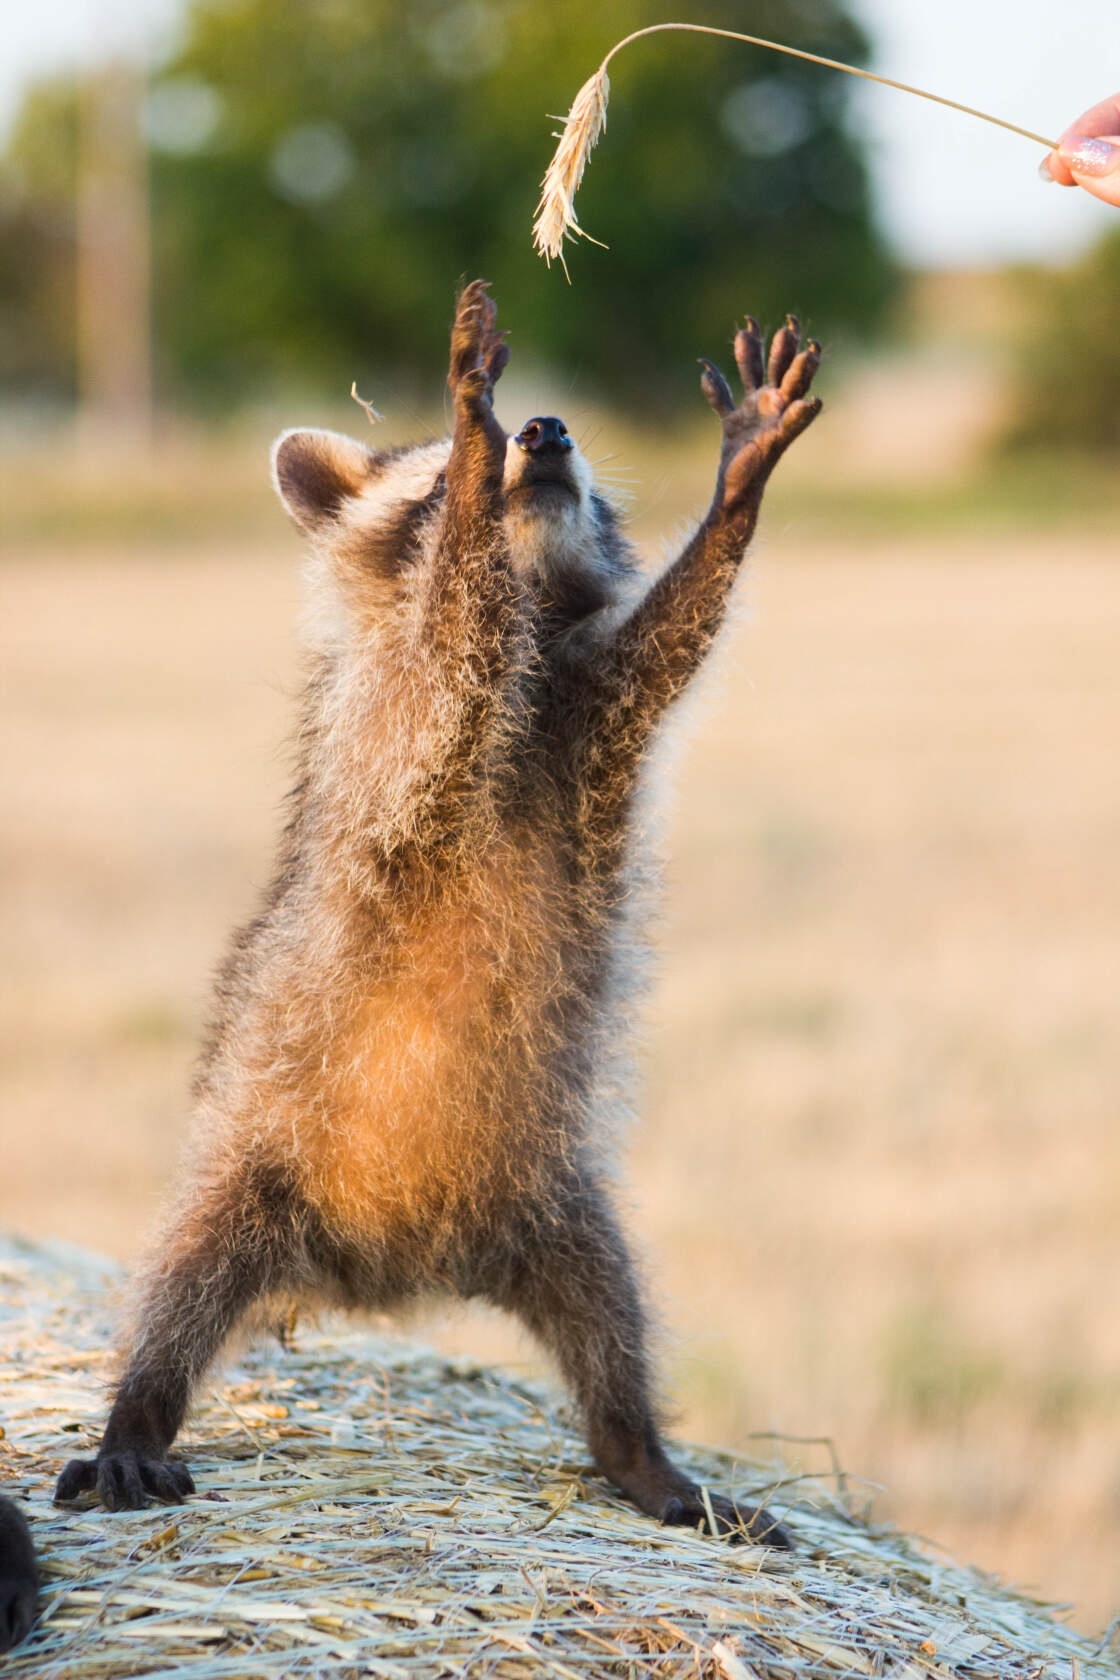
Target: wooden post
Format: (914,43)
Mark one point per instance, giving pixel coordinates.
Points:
(114,261)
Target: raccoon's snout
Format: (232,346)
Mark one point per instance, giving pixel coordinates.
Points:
(544,435)
(546,477)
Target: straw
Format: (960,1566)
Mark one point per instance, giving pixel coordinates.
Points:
(366,1507)
(373,415)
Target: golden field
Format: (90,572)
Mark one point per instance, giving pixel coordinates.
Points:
(877,1173)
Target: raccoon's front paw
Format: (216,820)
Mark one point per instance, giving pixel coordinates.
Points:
(123,1481)
(478,351)
(750,1523)
(773,412)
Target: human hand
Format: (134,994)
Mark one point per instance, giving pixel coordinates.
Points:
(1088,153)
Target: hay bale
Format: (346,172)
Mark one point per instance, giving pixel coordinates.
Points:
(368,1508)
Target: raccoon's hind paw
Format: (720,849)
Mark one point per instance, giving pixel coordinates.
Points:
(752,1524)
(125,1482)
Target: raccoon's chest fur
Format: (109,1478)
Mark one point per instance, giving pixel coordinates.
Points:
(438,1055)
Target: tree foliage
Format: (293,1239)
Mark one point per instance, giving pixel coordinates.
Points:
(325,172)
(1069,377)
(38,247)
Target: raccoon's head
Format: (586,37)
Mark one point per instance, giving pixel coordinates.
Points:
(377,511)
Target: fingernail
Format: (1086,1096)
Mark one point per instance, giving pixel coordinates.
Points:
(1084,156)
(1045,173)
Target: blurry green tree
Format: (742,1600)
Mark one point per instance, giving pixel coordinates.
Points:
(325,171)
(38,192)
(1069,359)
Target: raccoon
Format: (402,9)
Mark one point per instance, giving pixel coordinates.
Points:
(19,1576)
(415,1067)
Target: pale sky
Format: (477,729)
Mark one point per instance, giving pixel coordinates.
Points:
(952,190)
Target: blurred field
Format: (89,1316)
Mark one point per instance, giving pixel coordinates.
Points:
(878,1169)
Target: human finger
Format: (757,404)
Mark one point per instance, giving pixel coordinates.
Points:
(1093,161)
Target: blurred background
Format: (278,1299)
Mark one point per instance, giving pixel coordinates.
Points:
(878,1170)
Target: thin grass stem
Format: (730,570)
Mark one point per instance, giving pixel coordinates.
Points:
(832,64)
(556,218)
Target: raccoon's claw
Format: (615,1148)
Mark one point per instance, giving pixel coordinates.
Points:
(748,355)
(79,1476)
(497,356)
(783,348)
(715,388)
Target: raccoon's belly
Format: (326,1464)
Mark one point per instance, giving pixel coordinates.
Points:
(434,1082)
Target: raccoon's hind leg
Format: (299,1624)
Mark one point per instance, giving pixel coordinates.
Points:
(235,1243)
(574,1286)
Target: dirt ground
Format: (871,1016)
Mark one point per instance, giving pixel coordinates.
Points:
(878,1171)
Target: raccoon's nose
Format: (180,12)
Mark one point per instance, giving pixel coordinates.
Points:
(543,435)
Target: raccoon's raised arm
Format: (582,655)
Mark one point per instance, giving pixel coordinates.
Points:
(413,542)
(653,653)
(366,511)
(470,596)
(479,353)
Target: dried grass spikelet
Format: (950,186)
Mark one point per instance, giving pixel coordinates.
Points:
(556,216)
(373,415)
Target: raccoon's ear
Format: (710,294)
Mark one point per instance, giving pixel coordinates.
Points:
(315,471)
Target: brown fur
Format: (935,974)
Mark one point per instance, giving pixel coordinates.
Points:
(412,1078)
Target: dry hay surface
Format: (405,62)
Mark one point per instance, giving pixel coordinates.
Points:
(367,1508)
